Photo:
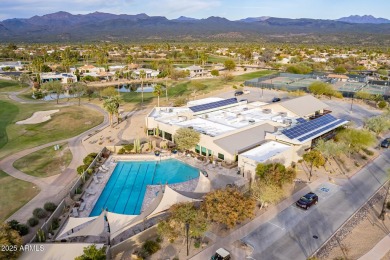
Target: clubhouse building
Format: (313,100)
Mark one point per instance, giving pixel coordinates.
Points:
(248,133)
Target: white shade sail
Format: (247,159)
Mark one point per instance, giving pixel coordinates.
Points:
(118,221)
(74,223)
(94,229)
(204,185)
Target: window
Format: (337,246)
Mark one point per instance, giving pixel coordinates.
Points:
(197,149)
(204,151)
(209,152)
(168,136)
(150,132)
(221,156)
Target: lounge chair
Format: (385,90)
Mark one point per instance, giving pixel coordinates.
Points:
(75,212)
(102,169)
(99,176)
(82,206)
(105,167)
(95,179)
(90,192)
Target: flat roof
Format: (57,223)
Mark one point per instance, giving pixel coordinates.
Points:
(203,101)
(265,151)
(303,106)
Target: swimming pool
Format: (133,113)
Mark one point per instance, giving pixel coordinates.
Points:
(125,190)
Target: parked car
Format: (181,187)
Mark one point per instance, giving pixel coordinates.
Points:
(221,254)
(385,143)
(244,100)
(275,99)
(247,92)
(307,201)
(204,173)
(239,93)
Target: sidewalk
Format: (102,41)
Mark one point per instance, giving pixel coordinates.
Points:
(379,250)
(227,241)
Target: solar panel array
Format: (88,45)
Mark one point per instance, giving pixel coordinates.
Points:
(213,105)
(301,120)
(309,126)
(328,127)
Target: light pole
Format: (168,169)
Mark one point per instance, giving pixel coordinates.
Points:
(187,229)
(352,100)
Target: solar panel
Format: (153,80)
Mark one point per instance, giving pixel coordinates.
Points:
(301,120)
(213,105)
(328,127)
(309,126)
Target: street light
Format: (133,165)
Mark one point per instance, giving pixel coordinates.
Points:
(187,229)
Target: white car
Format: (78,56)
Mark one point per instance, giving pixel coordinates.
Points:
(246,92)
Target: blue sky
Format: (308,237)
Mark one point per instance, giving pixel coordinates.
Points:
(233,10)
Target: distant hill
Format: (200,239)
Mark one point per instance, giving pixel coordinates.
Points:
(184,18)
(97,26)
(363,19)
(254,19)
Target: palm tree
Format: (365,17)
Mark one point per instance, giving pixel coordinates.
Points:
(142,75)
(157,92)
(111,108)
(116,100)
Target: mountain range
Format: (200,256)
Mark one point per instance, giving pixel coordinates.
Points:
(97,26)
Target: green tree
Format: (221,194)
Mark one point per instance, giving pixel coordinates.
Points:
(111,108)
(377,124)
(109,92)
(11,239)
(229,64)
(228,207)
(92,253)
(364,95)
(157,92)
(266,193)
(53,87)
(214,73)
(79,89)
(186,138)
(24,80)
(340,69)
(315,159)
(299,69)
(356,139)
(321,88)
(275,174)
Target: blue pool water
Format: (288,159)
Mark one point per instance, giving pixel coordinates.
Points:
(125,190)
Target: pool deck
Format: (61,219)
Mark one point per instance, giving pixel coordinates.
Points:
(219,178)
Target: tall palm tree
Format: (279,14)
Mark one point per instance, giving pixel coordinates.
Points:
(111,108)
(142,76)
(157,92)
(116,100)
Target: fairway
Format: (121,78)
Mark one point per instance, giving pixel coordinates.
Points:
(9,86)
(68,122)
(14,193)
(45,162)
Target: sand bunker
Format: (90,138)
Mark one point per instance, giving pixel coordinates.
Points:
(38,117)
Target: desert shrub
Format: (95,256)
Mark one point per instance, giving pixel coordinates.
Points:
(159,239)
(382,104)
(78,190)
(39,213)
(81,169)
(23,229)
(121,151)
(197,244)
(151,246)
(364,157)
(128,147)
(33,221)
(50,206)
(180,101)
(55,224)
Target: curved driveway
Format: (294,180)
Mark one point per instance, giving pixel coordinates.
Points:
(52,188)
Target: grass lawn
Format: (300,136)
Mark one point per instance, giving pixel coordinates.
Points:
(218,59)
(45,162)
(9,86)
(68,122)
(252,75)
(14,194)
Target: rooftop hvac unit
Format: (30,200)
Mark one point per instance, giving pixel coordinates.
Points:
(287,121)
(267,111)
(283,114)
(252,121)
(170,110)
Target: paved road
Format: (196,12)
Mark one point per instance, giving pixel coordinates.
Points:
(293,239)
(289,233)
